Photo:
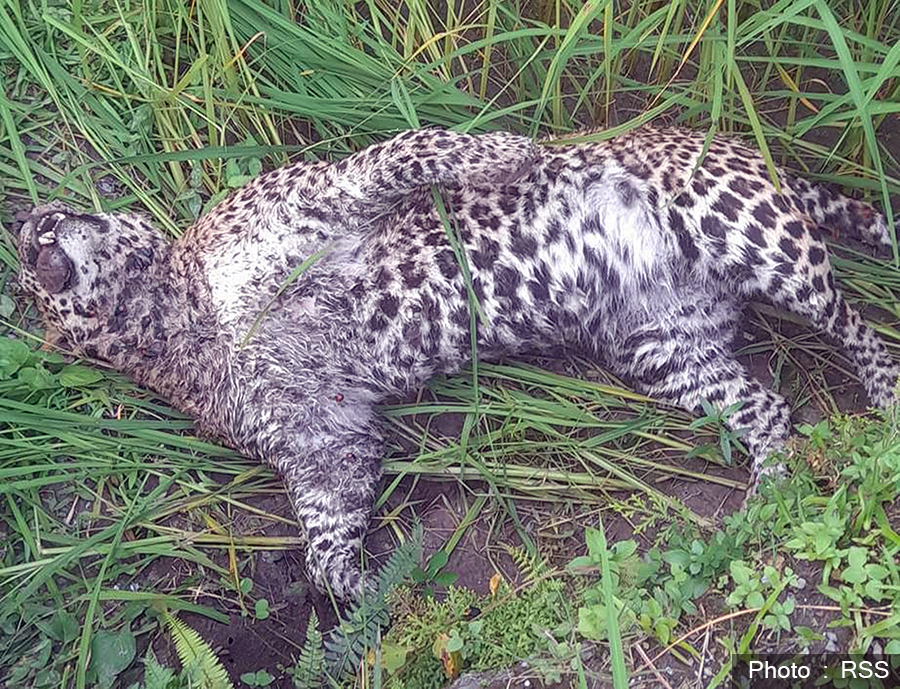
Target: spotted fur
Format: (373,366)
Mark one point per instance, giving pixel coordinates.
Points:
(622,248)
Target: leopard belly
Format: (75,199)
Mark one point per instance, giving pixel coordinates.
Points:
(572,262)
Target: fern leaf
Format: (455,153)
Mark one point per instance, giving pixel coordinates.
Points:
(401,563)
(530,566)
(156,676)
(360,629)
(310,668)
(198,655)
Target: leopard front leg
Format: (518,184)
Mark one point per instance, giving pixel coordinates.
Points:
(327,447)
(332,492)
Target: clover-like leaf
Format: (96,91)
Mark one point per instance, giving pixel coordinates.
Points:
(111,653)
(13,355)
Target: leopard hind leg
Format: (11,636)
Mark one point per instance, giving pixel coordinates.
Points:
(681,354)
(781,256)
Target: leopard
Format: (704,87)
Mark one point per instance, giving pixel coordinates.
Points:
(284,317)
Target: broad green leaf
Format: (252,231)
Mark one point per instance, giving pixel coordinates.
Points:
(393,656)
(111,653)
(261,609)
(13,355)
(7,306)
(37,377)
(78,376)
(62,626)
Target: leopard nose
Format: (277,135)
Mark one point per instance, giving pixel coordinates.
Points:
(54,270)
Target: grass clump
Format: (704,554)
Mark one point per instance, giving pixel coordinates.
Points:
(431,641)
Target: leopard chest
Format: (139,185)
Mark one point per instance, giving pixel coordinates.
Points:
(250,268)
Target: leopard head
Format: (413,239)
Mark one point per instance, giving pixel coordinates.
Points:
(85,272)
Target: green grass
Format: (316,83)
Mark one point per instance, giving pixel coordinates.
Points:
(178,103)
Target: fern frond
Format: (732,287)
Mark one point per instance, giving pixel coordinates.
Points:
(401,563)
(156,676)
(361,627)
(529,566)
(309,671)
(196,654)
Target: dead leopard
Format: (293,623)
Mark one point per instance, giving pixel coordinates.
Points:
(614,247)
